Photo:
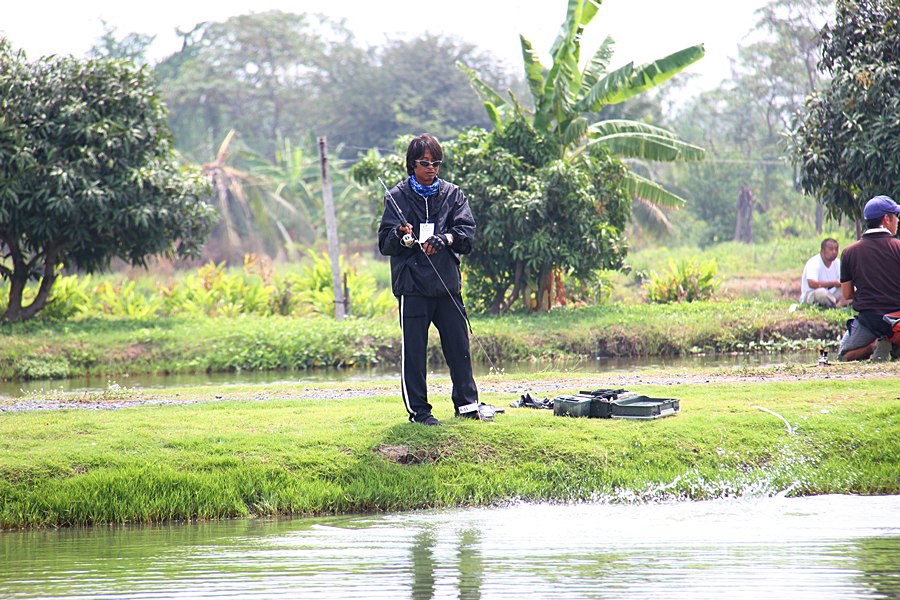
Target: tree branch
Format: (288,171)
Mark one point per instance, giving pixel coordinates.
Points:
(4,270)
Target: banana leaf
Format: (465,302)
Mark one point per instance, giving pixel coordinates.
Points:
(628,81)
(651,191)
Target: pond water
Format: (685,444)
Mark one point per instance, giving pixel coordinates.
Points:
(16,389)
(774,547)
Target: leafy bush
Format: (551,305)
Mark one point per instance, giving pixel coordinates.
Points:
(213,292)
(316,291)
(71,296)
(685,281)
(51,367)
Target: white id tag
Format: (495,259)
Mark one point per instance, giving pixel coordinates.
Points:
(426,230)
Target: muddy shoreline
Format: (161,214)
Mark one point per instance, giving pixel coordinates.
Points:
(508,390)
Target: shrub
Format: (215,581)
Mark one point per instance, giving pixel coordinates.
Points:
(51,367)
(685,281)
(315,289)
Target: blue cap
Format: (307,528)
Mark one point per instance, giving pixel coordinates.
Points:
(879,206)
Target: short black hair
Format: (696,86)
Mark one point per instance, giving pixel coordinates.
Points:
(874,223)
(417,148)
(826,241)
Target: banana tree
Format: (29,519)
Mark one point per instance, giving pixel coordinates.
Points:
(567,97)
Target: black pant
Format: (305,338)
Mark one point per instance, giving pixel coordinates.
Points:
(417,313)
(874,322)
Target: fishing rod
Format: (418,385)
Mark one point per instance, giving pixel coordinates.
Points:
(441,279)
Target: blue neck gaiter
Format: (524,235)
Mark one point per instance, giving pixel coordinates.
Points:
(424,190)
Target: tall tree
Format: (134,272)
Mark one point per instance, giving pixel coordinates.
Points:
(847,144)
(274,206)
(244,219)
(261,74)
(539,215)
(132,46)
(87,173)
(566,207)
(292,192)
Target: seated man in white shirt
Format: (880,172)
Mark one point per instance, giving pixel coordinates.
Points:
(821,280)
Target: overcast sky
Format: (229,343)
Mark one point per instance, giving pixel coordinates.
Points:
(644,30)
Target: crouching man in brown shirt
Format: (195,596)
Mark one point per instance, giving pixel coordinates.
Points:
(870,277)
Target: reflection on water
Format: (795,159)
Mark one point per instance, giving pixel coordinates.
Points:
(584,365)
(818,547)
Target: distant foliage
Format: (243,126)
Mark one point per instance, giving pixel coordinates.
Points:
(278,74)
(686,281)
(743,122)
(214,291)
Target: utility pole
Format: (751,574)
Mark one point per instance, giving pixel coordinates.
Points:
(331,226)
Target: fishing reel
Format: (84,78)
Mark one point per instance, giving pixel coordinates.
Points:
(407,240)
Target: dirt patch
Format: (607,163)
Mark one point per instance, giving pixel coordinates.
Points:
(403,455)
(128,353)
(785,286)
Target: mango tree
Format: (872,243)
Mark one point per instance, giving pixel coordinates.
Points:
(87,173)
(847,142)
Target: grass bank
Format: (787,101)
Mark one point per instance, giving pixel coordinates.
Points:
(111,347)
(273,450)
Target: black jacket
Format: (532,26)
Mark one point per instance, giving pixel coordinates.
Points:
(411,272)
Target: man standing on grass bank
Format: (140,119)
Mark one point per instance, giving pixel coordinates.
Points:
(870,277)
(820,283)
(426,225)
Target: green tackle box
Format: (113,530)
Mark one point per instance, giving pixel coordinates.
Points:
(572,406)
(634,406)
(614,404)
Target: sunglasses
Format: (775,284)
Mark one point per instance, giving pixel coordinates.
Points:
(426,164)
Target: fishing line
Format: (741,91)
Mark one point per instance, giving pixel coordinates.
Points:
(441,279)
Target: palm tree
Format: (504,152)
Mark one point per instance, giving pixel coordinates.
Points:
(566,98)
(293,190)
(231,199)
(292,184)
(255,214)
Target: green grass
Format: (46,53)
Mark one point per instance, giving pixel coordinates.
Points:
(263,451)
(735,259)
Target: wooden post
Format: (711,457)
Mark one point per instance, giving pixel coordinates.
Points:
(331,226)
(348,305)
